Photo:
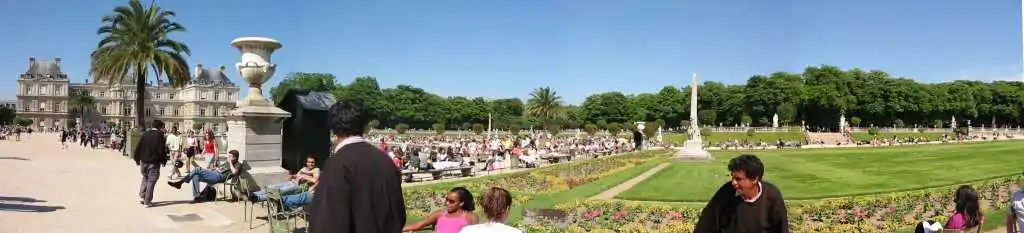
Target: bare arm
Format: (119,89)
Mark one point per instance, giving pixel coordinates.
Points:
(429,221)
(233,166)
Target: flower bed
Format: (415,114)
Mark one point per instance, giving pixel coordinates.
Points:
(423,200)
(880,213)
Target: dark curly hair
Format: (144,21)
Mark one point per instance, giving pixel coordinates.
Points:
(348,117)
(466,197)
(749,164)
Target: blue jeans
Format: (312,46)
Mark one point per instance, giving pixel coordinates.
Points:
(287,187)
(202,175)
(296,200)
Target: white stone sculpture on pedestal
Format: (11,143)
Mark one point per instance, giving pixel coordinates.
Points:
(775,121)
(659,133)
(842,121)
(693,149)
(254,128)
(952,123)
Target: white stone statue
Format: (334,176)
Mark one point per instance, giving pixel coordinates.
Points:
(842,121)
(659,133)
(952,123)
(775,121)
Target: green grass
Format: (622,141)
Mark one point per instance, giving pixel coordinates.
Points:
(584,191)
(717,137)
(815,174)
(860,136)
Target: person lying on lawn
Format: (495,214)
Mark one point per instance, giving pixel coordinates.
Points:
(209,176)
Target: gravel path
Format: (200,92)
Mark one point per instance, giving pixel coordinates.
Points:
(614,191)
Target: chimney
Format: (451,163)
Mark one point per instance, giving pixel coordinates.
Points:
(199,69)
(222,68)
(56,60)
(31,61)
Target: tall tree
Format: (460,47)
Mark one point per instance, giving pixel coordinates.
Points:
(136,41)
(7,115)
(545,104)
(303,81)
(81,103)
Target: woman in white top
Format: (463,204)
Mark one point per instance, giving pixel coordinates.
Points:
(497,203)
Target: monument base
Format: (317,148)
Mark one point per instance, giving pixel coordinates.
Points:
(693,151)
(255,132)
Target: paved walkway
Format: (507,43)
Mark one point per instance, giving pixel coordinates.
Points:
(47,189)
(614,191)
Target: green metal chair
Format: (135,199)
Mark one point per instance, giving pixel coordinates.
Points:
(279,215)
(249,206)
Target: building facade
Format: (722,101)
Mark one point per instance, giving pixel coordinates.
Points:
(45,97)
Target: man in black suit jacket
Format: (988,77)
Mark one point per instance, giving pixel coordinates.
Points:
(359,189)
(150,154)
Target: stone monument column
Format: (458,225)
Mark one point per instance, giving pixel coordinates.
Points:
(254,128)
(693,149)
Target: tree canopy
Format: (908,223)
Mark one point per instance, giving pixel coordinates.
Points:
(135,40)
(817,96)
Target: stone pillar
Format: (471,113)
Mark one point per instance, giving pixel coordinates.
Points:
(256,133)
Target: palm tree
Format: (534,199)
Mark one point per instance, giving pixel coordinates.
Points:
(135,40)
(545,104)
(81,103)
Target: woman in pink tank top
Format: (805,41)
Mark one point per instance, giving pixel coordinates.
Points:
(458,213)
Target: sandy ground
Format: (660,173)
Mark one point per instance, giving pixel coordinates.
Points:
(48,189)
(44,188)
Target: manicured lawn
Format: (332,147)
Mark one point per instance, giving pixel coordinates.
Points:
(860,136)
(822,173)
(716,137)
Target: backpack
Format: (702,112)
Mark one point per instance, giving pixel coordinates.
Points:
(208,194)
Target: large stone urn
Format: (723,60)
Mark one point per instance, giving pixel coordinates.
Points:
(254,128)
(256,67)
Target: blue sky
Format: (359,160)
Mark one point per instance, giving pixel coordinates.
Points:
(501,49)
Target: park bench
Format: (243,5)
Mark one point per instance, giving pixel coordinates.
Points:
(465,171)
(556,157)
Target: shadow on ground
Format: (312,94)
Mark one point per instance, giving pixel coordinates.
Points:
(15,158)
(15,204)
(166,203)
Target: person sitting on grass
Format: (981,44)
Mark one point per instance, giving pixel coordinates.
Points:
(458,214)
(497,203)
(209,176)
(307,176)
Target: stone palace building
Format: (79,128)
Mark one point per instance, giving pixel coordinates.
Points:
(44,95)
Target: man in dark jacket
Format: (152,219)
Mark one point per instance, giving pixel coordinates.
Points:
(359,189)
(150,154)
(747,204)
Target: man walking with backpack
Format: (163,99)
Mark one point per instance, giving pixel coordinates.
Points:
(150,155)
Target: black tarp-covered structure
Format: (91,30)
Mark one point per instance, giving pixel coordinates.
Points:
(306,132)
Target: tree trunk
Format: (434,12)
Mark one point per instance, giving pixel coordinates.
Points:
(140,99)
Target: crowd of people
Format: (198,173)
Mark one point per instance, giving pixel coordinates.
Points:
(422,153)
(14,132)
